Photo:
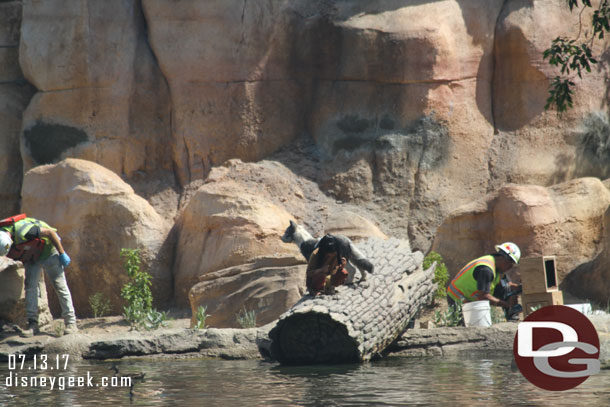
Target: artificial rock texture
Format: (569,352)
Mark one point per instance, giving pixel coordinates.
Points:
(229,255)
(96,215)
(12,294)
(417,107)
(566,220)
(408,110)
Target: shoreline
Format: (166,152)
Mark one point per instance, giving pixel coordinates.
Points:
(115,341)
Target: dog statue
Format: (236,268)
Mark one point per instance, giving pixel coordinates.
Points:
(307,243)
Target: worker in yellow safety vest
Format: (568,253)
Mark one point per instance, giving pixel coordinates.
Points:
(38,246)
(477,280)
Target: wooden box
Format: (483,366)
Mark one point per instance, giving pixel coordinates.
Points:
(538,274)
(539,300)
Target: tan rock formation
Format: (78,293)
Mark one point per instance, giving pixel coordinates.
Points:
(100,94)
(533,146)
(419,106)
(591,281)
(224,226)
(14,97)
(12,294)
(301,197)
(233,91)
(97,214)
(267,286)
(352,225)
(416,108)
(431,60)
(565,220)
(229,252)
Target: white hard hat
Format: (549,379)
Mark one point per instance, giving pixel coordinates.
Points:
(511,249)
(5,243)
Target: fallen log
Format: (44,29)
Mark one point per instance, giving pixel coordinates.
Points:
(361,320)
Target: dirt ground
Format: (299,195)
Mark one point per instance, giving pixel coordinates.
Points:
(95,326)
(117,324)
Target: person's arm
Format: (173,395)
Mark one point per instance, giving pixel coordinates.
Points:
(484,276)
(498,302)
(53,237)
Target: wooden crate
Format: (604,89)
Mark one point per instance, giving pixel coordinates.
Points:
(538,274)
(539,300)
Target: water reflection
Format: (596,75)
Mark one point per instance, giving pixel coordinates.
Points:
(458,381)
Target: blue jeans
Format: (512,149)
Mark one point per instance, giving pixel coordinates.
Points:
(55,273)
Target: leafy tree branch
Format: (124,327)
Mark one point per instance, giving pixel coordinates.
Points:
(574,57)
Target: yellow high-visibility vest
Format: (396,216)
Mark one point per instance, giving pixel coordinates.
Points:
(464,286)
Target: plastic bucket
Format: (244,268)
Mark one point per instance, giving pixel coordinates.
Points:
(477,313)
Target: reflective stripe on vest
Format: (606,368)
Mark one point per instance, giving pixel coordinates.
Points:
(464,286)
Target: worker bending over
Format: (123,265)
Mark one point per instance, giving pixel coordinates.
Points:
(477,280)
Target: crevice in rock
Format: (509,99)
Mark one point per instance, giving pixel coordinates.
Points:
(146,38)
(490,153)
(28,90)
(493,66)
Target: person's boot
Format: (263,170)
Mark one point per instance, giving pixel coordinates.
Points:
(512,315)
(70,329)
(31,330)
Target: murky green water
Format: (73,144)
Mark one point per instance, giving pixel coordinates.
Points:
(449,381)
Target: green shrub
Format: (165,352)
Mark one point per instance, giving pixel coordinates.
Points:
(139,311)
(246,319)
(59,328)
(451,317)
(100,305)
(441,275)
(201,316)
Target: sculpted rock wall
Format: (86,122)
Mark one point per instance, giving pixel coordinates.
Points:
(565,220)
(412,107)
(228,65)
(418,107)
(531,145)
(12,294)
(15,94)
(97,214)
(101,96)
(223,227)
(229,253)
(267,287)
(415,108)
(591,280)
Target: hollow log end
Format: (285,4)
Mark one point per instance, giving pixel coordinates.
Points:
(312,338)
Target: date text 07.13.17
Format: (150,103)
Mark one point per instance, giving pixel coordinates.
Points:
(40,362)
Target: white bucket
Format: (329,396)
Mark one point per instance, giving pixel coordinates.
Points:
(477,313)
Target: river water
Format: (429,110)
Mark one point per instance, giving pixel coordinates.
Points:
(395,381)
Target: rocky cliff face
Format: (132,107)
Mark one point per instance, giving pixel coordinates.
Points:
(565,220)
(407,109)
(15,94)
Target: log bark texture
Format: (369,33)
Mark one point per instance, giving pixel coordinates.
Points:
(360,320)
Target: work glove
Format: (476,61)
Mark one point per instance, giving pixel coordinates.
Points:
(64,259)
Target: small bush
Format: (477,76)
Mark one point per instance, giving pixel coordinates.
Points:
(201,316)
(139,311)
(59,328)
(441,275)
(451,317)
(100,305)
(246,319)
